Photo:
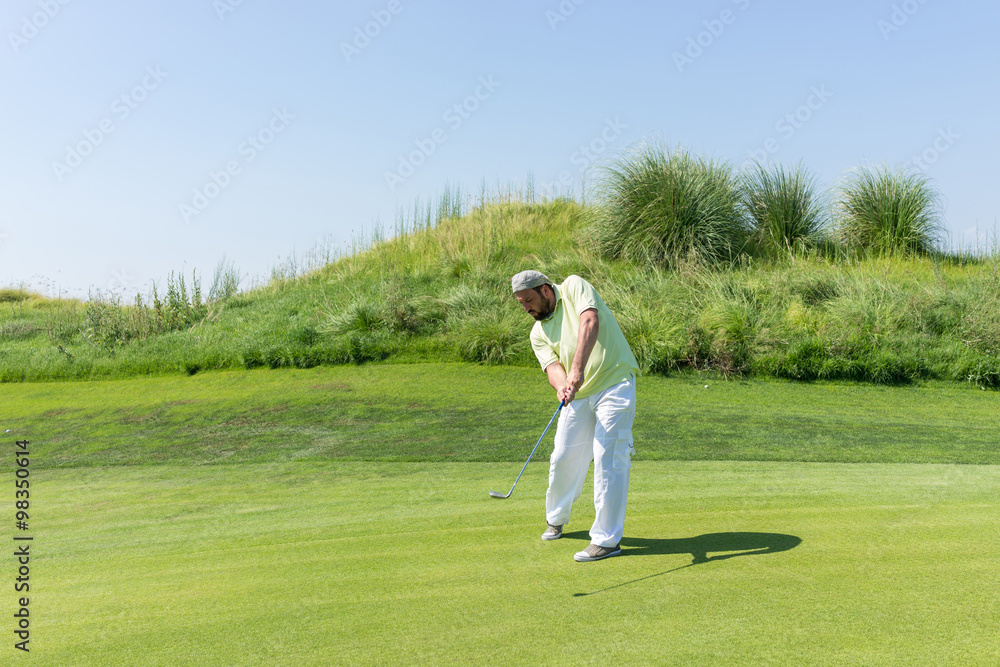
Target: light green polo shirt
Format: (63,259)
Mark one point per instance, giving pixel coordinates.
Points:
(555,338)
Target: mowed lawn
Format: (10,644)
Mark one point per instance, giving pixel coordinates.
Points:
(341,516)
(412,563)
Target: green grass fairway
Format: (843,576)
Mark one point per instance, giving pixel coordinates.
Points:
(412,563)
(340,516)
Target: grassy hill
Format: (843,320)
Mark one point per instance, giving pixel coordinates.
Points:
(439,291)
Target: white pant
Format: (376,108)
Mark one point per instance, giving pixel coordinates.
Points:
(596,428)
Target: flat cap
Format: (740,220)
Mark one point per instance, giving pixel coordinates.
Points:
(528,280)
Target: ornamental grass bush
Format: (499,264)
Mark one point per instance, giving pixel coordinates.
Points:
(883,212)
(783,208)
(660,206)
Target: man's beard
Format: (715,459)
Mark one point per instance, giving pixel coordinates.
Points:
(543,315)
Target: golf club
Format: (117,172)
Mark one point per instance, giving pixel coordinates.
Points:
(497,494)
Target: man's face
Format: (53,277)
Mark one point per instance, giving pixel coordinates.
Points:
(538,303)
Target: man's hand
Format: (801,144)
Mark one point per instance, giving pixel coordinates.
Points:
(557,378)
(566,393)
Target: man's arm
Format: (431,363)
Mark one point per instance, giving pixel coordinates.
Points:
(586,339)
(557,378)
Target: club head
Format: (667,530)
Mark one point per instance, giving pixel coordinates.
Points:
(497,494)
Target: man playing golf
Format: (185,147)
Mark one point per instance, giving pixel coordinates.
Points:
(590,365)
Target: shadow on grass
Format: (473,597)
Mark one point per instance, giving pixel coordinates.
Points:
(726,545)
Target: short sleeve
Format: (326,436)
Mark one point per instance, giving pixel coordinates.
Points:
(581,293)
(543,349)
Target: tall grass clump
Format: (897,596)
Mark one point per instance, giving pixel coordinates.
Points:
(225,281)
(735,321)
(497,336)
(885,212)
(464,301)
(651,308)
(662,206)
(365,314)
(783,209)
(16,295)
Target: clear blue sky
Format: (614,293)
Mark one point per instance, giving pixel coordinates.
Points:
(141,138)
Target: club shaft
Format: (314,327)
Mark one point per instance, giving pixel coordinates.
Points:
(554,415)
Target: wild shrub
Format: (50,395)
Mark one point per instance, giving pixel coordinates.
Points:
(112,324)
(872,310)
(364,315)
(456,266)
(737,319)
(362,348)
(413,315)
(940,311)
(980,327)
(783,208)
(179,309)
(884,212)
(654,330)
(804,359)
(463,301)
(18,330)
(305,335)
(801,318)
(660,207)
(815,290)
(493,337)
(982,371)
